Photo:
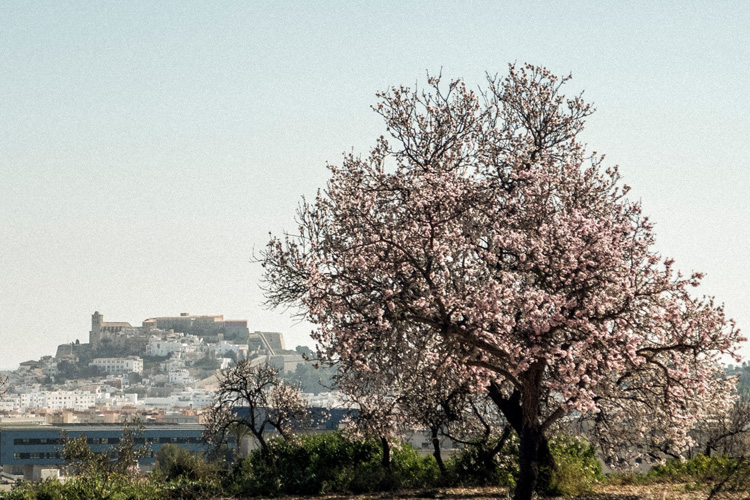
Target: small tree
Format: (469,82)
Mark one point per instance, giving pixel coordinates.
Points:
(375,410)
(431,399)
(434,408)
(253,399)
(121,459)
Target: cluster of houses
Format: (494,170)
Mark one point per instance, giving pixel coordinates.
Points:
(163,372)
(167,364)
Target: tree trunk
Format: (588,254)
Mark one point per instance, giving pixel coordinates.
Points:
(386,460)
(265,451)
(529,462)
(546,466)
(535,460)
(436,452)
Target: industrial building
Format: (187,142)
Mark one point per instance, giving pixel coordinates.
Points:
(29,449)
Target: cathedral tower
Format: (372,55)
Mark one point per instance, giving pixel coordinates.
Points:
(95,335)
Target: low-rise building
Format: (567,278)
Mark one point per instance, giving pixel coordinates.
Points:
(180,376)
(69,400)
(223,348)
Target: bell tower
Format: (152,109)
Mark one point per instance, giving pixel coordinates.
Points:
(95,335)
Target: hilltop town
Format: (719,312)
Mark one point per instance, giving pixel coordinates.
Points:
(164,371)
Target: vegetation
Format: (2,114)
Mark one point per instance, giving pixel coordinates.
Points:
(330,463)
(312,377)
(577,469)
(714,476)
(337,462)
(70,370)
(207,362)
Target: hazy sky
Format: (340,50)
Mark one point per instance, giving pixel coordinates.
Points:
(146,148)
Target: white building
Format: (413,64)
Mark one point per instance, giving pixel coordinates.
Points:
(69,400)
(173,363)
(180,376)
(223,348)
(32,400)
(118,401)
(53,400)
(119,366)
(191,398)
(331,399)
(162,347)
(10,404)
(157,403)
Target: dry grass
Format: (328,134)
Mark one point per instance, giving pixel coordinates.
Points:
(664,491)
(484,493)
(603,492)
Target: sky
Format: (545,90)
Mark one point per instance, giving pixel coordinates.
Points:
(148,148)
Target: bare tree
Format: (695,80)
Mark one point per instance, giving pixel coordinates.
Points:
(253,398)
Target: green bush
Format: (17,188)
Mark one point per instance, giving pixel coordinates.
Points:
(718,473)
(412,470)
(325,463)
(174,462)
(184,488)
(700,468)
(115,487)
(94,487)
(46,490)
(577,468)
(312,464)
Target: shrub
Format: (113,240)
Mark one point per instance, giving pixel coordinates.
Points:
(717,474)
(578,469)
(700,468)
(412,470)
(50,489)
(183,488)
(174,462)
(576,473)
(311,464)
(94,487)
(324,463)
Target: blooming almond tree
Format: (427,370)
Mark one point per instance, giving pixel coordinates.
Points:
(483,225)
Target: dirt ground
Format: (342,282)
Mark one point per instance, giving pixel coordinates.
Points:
(605,492)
